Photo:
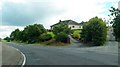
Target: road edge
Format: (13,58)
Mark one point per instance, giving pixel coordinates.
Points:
(24,58)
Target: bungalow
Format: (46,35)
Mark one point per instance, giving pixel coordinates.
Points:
(71,24)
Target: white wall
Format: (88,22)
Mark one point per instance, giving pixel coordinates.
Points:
(75,26)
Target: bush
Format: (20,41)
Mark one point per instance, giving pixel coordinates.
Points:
(52,34)
(32,33)
(72,31)
(7,39)
(62,37)
(45,37)
(61,28)
(76,34)
(94,31)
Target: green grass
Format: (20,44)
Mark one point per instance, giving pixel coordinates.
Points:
(3,41)
(52,34)
(76,34)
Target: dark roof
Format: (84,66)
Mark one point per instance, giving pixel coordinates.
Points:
(72,22)
(67,22)
(82,23)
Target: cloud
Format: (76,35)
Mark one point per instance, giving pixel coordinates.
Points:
(0,12)
(24,14)
(6,30)
(81,10)
(48,12)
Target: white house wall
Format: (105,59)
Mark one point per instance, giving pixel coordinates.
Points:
(75,26)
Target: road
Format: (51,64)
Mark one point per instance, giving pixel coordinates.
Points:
(110,36)
(9,53)
(50,55)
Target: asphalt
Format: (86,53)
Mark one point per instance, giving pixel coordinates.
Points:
(110,36)
(11,56)
(75,54)
(49,55)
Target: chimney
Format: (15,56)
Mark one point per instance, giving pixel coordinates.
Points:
(59,20)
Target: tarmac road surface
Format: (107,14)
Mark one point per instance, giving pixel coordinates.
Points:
(50,55)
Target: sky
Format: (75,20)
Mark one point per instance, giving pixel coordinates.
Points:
(20,13)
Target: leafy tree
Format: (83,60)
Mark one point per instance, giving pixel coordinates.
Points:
(45,37)
(21,36)
(52,34)
(94,31)
(115,13)
(61,37)
(7,39)
(32,32)
(61,28)
(15,35)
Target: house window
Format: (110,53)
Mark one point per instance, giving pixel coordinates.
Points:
(73,26)
(79,26)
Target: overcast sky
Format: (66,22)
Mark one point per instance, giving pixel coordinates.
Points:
(19,13)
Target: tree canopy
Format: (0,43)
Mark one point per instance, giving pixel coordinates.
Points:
(94,31)
(61,28)
(15,35)
(115,13)
(30,34)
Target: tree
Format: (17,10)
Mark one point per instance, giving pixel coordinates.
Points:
(32,32)
(115,13)
(7,39)
(45,37)
(62,37)
(15,35)
(61,28)
(94,31)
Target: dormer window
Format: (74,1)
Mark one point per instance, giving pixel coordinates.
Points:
(73,26)
(80,26)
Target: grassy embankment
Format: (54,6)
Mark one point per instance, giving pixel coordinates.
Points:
(76,34)
(51,42)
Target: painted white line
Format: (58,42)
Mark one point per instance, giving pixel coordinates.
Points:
(24,61)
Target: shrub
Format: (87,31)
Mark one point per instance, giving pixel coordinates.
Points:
(76,34)
(94,31)
(72,31)
(61,28)
(32,33)
(45,37)
(52,34)
(62,37)
(7,39)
